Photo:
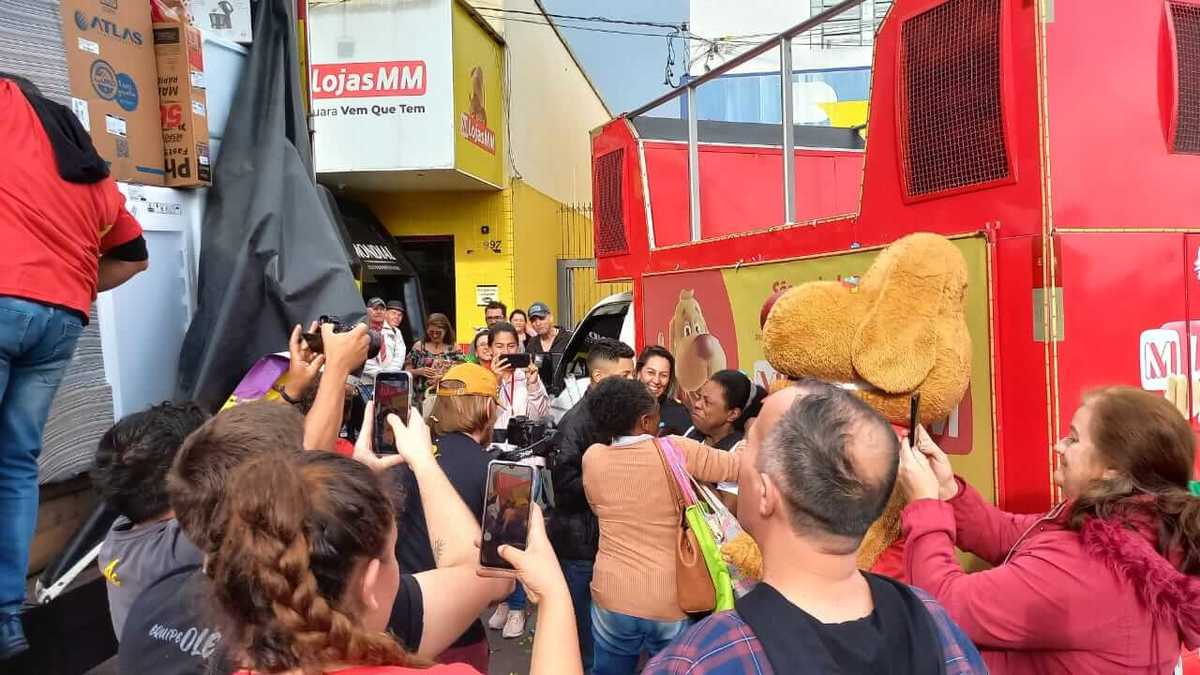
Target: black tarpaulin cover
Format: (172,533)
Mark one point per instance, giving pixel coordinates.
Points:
(270,256)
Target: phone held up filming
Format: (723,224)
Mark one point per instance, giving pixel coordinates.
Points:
(393,396)
(510,489)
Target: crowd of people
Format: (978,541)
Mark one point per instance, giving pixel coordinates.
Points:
(253,541)
(262,540)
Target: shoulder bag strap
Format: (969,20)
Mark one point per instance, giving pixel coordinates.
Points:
(678,464)
(676,495)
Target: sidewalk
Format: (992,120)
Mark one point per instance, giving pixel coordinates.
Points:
(510,657)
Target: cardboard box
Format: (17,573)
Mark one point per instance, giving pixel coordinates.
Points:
(226,19)
(179,49)
(114,83)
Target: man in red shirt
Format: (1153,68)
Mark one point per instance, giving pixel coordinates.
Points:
(66,236)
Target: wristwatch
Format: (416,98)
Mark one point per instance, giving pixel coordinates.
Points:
(279,389)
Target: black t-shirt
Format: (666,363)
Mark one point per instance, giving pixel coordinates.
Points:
(465,464)
(551,359)
(676,419)
(726,443)
(897,637)
(408,614)
(173,628)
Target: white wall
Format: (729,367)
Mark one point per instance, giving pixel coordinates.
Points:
(719,18)
(551,112)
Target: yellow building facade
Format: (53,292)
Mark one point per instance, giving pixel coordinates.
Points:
(521,168)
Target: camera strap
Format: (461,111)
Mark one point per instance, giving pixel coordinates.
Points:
(512,397)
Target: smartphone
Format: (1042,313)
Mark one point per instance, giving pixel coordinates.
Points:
(393,396)
(510,488)
(518,361)
(914,418)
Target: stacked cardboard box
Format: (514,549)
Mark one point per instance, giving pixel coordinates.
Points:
(137,85)
(114,83)
(179,50)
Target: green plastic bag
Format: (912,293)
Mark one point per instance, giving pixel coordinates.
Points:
(698,522)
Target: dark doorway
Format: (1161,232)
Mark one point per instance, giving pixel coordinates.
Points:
(434,259)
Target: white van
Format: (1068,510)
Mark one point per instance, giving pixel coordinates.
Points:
(612,317)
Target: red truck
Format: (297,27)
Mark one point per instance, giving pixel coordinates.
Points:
(1056,142)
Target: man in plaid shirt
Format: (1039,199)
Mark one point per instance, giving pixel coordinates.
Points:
(817,470)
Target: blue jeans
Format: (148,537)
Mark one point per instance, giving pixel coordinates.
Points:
(516,600)
(579,582)
(36,344)
(620,639)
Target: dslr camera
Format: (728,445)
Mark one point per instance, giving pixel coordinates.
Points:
(317,345)
(527,438)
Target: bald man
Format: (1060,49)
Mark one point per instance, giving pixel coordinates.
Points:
(818,468)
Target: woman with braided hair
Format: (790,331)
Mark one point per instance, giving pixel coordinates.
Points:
(306,573)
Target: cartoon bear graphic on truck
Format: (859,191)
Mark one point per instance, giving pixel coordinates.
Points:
(698,353)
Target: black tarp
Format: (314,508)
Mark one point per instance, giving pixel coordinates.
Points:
(270,255)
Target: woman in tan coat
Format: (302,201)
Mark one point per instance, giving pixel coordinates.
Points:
(634,604)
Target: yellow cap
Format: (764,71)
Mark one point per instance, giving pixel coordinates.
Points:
(468,379)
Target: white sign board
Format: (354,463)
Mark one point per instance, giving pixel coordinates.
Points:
(382,85)
(486,294)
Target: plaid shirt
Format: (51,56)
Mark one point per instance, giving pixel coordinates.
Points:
(723,644)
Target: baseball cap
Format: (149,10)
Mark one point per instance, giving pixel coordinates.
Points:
(468,379)
(539,309)
(395,304)
(376,301)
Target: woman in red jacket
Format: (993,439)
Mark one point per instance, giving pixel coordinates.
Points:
(1106,582)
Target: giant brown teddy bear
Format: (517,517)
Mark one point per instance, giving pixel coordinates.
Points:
(901,330)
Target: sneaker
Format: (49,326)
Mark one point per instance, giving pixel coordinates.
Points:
(499,617)
(515,626)
(12,637)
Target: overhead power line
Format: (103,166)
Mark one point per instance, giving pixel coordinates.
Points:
(598,19)
(593,29)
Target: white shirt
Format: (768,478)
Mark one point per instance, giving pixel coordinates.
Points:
(621,441)
(518,397)
(391,355)
(573,392)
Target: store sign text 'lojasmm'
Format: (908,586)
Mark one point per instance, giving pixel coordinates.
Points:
(369,79)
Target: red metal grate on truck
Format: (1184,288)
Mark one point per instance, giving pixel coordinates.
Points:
(951,117)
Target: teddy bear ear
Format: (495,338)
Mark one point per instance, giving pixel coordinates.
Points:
(895,346)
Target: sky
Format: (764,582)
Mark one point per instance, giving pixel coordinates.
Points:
(627,69)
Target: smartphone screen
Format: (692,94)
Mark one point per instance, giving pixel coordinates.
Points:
(510,488)
(520,361)
(393,395)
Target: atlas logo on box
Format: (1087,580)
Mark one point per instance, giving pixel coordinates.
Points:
(109,28)
(368,79)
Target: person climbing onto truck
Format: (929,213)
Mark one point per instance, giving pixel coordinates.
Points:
(66,236)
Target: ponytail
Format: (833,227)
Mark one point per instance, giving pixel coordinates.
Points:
(298,525)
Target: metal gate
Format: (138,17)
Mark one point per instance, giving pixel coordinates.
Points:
(578,289)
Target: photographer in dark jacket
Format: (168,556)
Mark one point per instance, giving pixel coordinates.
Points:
(573,529)
(550,344)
